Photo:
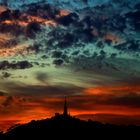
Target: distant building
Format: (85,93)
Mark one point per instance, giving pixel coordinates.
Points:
(65,110)
(57,114)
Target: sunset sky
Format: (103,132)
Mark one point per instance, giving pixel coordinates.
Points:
(42,93)
(35,75)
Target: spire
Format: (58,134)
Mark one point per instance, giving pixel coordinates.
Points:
(65,113)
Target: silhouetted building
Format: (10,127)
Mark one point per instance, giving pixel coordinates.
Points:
(65,112)
(57,114)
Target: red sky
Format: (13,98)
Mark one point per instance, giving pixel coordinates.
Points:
(39,98)
(119,100)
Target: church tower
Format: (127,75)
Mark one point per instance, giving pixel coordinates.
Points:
(65,112)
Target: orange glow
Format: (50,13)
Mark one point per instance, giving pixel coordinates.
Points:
(34,109)
(114,38)
(108,109)
(2,8)
(25,117)
(7,22)
(102,99)
(19,49)
(64,12)
(41,20)
(22,48)
(18,22)
(31,19)
(113,89)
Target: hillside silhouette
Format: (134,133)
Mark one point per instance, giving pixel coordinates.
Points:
(64,126)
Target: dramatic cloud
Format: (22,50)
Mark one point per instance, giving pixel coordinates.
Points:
(43,101)
(42,77)
(130,99)
(2,93)
(42,90)
(8,101)
(91,56)
(4,65)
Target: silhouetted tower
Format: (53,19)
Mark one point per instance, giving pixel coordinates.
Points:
(65,113)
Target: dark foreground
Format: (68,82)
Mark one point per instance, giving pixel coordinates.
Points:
(67,127)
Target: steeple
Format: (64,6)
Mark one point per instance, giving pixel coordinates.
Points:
(65,112)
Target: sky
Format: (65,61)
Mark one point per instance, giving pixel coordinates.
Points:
(43,60)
